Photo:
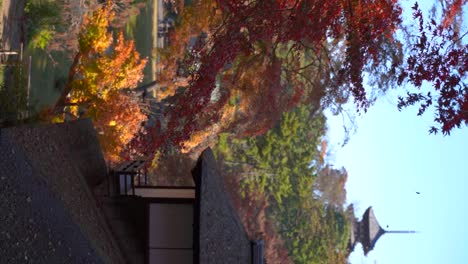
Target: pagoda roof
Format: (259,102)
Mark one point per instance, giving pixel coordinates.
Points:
(372,230)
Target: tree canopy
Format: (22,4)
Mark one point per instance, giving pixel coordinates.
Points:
(439,56)
(266,57)
(294,56)
(282,173)
(102,68)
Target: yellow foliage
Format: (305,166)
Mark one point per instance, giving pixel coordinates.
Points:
(101,74)
(57,119)
(155,161)
(103,67)
(94,35)
(228,115)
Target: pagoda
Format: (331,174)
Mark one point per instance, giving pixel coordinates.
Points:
(367,231)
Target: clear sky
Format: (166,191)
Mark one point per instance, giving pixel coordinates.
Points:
(389,158)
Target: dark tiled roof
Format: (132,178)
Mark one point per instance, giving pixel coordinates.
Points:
(47,212)
(221,236)
(372,230)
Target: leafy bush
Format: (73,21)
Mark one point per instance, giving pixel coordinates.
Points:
(43,18)
(41,39)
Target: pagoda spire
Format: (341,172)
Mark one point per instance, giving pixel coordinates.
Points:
(401,231)
(368,231)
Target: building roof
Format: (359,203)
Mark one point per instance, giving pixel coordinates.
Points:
(48,213)
(372,230)
(221,235)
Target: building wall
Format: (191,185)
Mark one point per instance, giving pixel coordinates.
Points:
(170,233)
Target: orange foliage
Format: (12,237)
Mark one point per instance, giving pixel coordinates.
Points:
(169,86)
(201,139)
(101,68)
(117,120)
(323,150)
(101,73)
(198,138)
(72,16)
(200,17)
(123,68)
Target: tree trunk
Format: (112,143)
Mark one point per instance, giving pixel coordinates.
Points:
(143,89)
(61,101)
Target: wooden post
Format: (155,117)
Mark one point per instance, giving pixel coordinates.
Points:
(28,87)
(21,52)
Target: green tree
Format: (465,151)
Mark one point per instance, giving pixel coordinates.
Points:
(279,163)
(285,166)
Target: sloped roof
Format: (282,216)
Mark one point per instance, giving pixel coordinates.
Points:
(48,213)
(221,237)
(372,230)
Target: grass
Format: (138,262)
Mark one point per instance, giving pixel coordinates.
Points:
(47,77)
(48,70)
(139,29)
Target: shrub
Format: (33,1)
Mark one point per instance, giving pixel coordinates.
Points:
(13,96)
(43,18)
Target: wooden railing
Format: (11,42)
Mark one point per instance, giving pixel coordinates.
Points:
(130,174)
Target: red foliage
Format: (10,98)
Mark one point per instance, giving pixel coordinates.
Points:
(438,57)
(454,9)
(310,22)
(368,22)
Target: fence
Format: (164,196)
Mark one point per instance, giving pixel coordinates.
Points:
(15,89)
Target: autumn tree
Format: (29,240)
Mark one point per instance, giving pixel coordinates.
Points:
(64,35)
(276,178)
(116,119)
(292,43)
(101,69)
(438,56)
(192,23)
(330,186)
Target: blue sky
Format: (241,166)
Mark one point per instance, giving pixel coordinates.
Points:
(389,158)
